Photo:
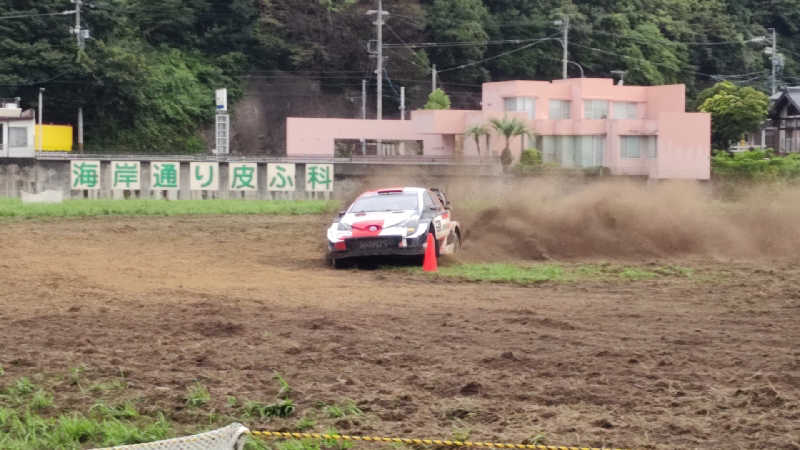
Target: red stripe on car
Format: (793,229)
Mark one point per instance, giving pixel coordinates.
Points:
(367,228)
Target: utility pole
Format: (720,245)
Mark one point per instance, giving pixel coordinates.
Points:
(564,44)
(363,113)
(402,149)
(402,103)
(78,31)
(79,34)
(41,120)
(433,78)
(363,99)
(379,71)
(774,60)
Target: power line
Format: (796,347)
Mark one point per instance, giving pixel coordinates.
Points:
(674,41)
(461,43)
(34,83)
(635,58)
(27,15)
(500,55)
(409,48)
(740,75)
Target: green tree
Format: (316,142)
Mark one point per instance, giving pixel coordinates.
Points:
(508,127)
(438,100)
(476,132)
(458,21)
(734,111)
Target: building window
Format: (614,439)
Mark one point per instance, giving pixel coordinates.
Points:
(573,151)
(626,110)
(17,136)
(595,109)
(650,145)
(559,109)
(633,147)
(520,104)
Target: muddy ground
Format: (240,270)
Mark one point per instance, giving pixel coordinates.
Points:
(710,361)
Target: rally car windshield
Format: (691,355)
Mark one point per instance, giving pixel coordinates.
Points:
(385,202)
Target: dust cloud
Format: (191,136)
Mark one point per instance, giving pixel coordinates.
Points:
(586,217)
(545,219)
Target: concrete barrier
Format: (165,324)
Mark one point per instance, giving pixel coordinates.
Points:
(48,196)
(350,178)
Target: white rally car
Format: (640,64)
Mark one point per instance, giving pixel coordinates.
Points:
(393,221)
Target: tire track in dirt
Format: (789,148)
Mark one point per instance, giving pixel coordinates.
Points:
(228,300)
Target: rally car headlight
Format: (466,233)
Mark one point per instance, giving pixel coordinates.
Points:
(411,227)
(344,227)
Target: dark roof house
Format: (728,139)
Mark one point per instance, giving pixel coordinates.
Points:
(784,113)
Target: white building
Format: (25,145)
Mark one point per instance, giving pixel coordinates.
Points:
(17,130)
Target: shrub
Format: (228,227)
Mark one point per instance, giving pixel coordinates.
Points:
(437,100)
(755,165)
(530,157)
(530,162)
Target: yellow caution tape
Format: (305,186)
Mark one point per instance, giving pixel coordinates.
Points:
(438,442)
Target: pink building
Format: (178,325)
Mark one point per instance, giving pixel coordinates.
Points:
(577,123)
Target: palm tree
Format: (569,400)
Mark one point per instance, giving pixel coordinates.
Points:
(475,132)
(509,127)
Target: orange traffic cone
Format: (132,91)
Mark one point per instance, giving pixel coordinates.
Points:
(429,264)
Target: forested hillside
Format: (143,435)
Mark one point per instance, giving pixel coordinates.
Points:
(146,77)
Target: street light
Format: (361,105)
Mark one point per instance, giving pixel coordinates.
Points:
(579,67)
(564,24)
(621,74)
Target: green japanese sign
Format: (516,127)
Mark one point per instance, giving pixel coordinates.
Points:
(84,174)
(280,177)
(204,176)
(165,176)
(125,175)
(242,176)
(319,177)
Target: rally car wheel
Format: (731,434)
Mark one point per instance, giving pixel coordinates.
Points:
(457,243)
(435,241)
(335,263)
(339,263)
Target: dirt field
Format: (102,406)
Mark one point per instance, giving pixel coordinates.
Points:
(706,362)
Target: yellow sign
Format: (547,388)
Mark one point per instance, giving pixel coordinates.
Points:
(57,138)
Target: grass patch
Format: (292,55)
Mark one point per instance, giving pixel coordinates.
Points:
(197,396)
(124,410)
(505,272)
(32,418)
(282,408)
(14,208)
(549,272)
(343,409)
(21,428)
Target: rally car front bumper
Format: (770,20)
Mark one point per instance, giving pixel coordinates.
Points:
(377,246)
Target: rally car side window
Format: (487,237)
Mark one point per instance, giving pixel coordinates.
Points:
(430,201)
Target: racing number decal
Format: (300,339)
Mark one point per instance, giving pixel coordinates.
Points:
(445,217)
(437,224)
